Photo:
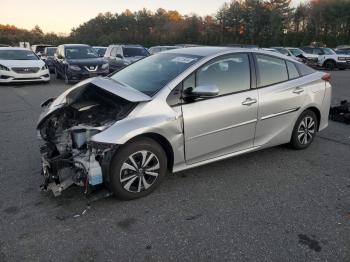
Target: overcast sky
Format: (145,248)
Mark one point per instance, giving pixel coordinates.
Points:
(61,16)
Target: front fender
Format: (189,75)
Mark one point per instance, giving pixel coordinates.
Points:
(128,128)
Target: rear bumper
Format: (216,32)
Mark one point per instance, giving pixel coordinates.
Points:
(13,77)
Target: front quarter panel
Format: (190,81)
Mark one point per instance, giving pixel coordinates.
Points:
(166,123)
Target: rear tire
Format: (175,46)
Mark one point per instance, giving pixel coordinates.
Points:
(137,169)
(330,65)
(305,130)
(66,79)
(57,74)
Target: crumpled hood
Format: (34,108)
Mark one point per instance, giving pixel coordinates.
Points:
(22,63)
(106,83)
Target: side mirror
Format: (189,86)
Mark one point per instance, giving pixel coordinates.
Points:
(59,57)
(203,91)
(119,56)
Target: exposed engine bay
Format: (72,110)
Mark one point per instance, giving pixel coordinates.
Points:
(68,157)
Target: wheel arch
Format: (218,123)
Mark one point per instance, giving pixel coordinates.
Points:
(329,60)
(163,142)
(317,113)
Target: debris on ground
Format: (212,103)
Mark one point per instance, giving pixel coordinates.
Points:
(341,113)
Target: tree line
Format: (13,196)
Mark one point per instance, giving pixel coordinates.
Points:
(260,22)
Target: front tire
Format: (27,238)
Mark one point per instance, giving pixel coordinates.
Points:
(304,130)
(330,65)
(137,169)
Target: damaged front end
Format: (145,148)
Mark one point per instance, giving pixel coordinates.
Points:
(66,127)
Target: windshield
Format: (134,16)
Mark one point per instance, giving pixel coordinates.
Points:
(51,51)
(80,52)
(17,55)
(328,51)
(151,74)
(100,50)
(296,51)
(134,51)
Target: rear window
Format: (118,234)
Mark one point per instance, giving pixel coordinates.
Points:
(271,71)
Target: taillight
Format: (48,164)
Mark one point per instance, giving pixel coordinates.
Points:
(326,77)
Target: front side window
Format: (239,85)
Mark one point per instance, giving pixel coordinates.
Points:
(328,51)
(80,52)
(152,73)
(296,51)
(230,74)
(17,55)
(271,70)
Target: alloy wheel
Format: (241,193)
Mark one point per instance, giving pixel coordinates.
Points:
(306,130)
(139,172)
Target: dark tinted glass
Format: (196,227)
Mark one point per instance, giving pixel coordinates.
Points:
(230,74)
(17,55)
(134,51)
(80,52)
(292,70)
(152,73)
(271,70)
(51,51)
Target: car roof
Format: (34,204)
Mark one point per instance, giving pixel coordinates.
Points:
(14,48)
(202,51)
(74,45)
(122,45)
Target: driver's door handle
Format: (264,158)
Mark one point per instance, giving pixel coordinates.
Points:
(249,101)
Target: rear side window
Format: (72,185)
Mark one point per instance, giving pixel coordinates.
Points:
(230,74)
(271,70)
(292,70)
(305,70)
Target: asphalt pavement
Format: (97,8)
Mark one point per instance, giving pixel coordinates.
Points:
(273,205)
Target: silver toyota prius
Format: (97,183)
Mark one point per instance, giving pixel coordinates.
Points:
(177,110)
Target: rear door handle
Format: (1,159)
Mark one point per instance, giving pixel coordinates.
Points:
(298,90)
(249,101)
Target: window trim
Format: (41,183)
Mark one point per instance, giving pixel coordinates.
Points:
(218,58)
(253,80)
(295,68)
(258,75)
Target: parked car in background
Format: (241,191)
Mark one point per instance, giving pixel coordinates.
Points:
(270,50)
(21,65)
(160,48)
(75,62)
(342,51)
(39,48)
(328,58)
(310,59)
(287,52)
(176,110)
(48,56)
(119,56)
(100,50)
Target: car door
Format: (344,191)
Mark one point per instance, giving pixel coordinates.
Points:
(226,123)
(281,95)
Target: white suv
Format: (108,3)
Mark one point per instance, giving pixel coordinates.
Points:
(328,58)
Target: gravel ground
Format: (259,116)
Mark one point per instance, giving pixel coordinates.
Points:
(272,205)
